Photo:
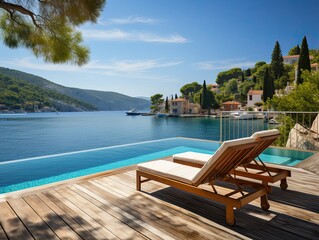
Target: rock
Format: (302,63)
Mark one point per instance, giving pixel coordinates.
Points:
(315,128)
(297,138)
(300,138)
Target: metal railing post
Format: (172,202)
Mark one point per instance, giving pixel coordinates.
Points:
(221,127)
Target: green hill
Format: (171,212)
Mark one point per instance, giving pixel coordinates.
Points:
(103,101)
(18,94)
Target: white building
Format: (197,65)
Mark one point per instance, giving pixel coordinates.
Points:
(214,87)
(314,67)
(183,106)
(293,59)
(253,97)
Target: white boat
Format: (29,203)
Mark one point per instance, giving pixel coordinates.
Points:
(133,112)
(161,115)
(273,121)
(241,116)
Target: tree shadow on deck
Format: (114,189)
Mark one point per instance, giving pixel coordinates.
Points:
(295,198)
(251,221)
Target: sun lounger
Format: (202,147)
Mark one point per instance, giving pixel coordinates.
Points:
(253,167)
(215,170)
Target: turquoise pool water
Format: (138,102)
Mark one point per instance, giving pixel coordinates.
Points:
(31,172)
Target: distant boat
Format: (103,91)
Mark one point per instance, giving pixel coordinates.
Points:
(241,116)
(273,121)
(133,112)
(161,115)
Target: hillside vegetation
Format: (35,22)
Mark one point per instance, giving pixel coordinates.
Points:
(100,100)
(18,94)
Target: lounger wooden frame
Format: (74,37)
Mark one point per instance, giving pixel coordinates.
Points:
(274,174)
(229,159)
(229,202)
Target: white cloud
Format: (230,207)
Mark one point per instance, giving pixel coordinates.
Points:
(31,63)
(131,20)
(224,64)
(111,68)
(120,35)
(123,66)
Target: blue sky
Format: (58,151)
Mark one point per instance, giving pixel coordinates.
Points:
(144,47)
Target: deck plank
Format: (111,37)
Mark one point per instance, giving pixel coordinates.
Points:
(2,234)
(169,218)
(61,229)
(76,227)
(11,224)
(79,212)
(115,226)
(37,227)
(70,211)
(117,212)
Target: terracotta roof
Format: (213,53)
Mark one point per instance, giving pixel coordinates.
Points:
(231,102)
(179,100)
(213,84)
(292,56)
(255,92)
(314,65)
(296,56)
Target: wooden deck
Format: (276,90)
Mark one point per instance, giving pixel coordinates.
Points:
(109,207)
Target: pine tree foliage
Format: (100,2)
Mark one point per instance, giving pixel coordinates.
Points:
(49,28)
(277,62)
(304,60)
(294,51)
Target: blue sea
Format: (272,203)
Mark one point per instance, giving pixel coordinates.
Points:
(40,134)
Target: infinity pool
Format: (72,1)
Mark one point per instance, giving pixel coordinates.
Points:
(31,172)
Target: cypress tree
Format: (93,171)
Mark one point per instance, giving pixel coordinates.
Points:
(254,79)
(297,49)
(266,86)
(204,102)
(271,86)
(277,62)
(166,105)
(172,98)
(304,60)
(176,96)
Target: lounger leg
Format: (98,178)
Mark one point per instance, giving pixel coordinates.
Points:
(230,216)
(138,181)
(264,202)
(283,184)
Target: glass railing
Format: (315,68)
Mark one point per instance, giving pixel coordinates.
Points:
(299,130)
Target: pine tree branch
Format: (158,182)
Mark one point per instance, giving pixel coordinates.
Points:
(11,8)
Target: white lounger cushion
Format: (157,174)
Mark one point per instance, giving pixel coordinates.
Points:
(193,157)
(170,170)
(265,133)
(187,174)
(214,158)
